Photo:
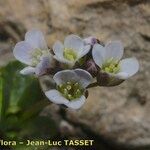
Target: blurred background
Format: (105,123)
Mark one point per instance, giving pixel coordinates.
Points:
(117,118)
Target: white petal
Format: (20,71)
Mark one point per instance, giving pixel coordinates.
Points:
(76,103)
(22,52)
(58,49)
(36,39)
(74,42)
(129,66)
(28,70)
(56,97)
(98,53)
(121,75)
(84,51)
(64,76)
(114,50)
(85,77)
(63,60)
(44,64)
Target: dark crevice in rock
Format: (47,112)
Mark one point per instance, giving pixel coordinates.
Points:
(3,35)
(111,4)
(145,37)
(136,2)
(10,30)
(105,4)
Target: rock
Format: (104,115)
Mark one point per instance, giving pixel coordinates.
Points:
(120,114)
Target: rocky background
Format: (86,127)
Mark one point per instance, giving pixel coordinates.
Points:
(116,117)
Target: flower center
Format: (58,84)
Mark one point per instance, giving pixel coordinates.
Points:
(111,66)
(70,90)
(36,55)
(69,54)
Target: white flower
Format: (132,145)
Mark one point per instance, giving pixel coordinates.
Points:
(70,88)
(72,50)
(34,52)
(108,59)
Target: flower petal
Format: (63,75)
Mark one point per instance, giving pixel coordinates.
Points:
(56,97)
(22,52)
(28,70)
(84,51)
(64,76)
(98,53)
(44,64)
(85,77)
(36,39)
(129,66)
(121,75)
(63,60)
(74,42)
(58,49)
(76,103)
(114,50)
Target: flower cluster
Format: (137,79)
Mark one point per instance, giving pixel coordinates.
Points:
(82,63)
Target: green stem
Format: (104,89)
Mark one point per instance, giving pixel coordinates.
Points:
(1,98)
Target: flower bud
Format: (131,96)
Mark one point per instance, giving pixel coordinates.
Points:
(91,67)
(90,40)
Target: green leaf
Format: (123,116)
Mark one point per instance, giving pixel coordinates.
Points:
(21,101)
(13,85)
(33,110)
(1,96)
(21,97)
(31,94)
(41,127)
